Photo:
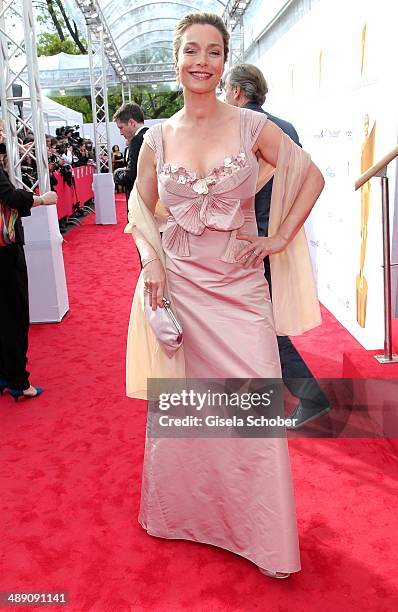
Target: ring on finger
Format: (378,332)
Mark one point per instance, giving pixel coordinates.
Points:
(256,254)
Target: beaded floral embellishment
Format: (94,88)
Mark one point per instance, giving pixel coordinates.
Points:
(201,185)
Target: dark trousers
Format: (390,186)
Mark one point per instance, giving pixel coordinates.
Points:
(294,369)
(127,192)
(14,316)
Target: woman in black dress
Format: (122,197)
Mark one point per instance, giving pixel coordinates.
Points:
(117,162)
(14,303)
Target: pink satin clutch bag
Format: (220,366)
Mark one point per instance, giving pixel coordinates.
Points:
(165,325)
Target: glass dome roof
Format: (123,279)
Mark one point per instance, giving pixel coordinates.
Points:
(143,31)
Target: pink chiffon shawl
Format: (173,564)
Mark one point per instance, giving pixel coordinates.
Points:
(145,357)
(294,296)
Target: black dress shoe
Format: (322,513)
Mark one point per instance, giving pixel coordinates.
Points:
(303,415)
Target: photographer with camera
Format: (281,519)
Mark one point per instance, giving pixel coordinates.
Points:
(69,156)
(90,151)
(28,162)
(54,160)
(61,158)
(52,168)
(65,152)
(14,303)
(3,157)
(81,154)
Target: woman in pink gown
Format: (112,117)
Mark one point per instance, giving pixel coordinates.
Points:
(235,493)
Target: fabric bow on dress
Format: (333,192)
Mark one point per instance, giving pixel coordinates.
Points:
(204,204)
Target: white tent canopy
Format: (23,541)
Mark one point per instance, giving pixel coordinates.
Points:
(55,115)
(63,61)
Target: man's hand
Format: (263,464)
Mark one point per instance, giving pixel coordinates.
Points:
(118,176)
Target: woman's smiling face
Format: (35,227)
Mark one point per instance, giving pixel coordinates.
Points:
(201,58)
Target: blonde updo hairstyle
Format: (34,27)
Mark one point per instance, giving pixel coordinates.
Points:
(202,19)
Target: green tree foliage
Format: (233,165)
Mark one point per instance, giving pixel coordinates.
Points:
(51,44)
(114,100)
(62,33)
(82,104)
(154,105)
(161,104)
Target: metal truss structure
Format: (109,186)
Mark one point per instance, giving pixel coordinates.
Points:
(237,41)
(152,74)
(126,92)
(99,101)
(19,82)
(105,66)
(233,17)
(96,22)
(18,48)
(80,79)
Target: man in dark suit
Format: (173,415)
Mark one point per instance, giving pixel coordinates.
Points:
(246,87)
(130,121)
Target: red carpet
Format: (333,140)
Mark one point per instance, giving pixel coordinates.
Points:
(71,464)
(334,353)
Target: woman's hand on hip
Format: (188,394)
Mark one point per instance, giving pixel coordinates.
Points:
(154,281)
(253,254)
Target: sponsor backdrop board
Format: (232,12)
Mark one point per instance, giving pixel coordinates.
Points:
(332,75)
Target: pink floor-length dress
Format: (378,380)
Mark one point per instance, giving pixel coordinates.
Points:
(235,493)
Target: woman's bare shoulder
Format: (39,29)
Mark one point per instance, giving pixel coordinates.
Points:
(228,113)
(172,123)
